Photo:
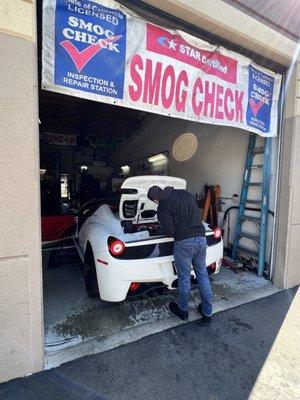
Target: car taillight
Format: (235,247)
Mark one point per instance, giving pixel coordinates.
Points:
(134,286)
(213,267)
(217,233)
(116,247)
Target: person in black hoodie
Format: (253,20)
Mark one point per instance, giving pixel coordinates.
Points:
(179,217)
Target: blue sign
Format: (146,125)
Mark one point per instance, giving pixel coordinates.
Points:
(90,47)
(260,94)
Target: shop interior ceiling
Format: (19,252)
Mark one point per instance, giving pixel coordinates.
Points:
(63,114)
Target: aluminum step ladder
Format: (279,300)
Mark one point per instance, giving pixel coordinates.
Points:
(262,203)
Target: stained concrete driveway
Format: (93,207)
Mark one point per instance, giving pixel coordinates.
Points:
(192,361)
(76,326)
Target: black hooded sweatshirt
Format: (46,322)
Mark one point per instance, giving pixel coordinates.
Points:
(179,214)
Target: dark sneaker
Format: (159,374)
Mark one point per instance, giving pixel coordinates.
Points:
(174,308)
(205,319)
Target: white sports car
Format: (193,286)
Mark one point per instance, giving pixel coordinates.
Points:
(125,253)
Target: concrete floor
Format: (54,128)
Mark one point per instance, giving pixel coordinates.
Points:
(222,361)
(72,318)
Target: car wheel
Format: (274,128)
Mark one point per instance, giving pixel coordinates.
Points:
(90,277)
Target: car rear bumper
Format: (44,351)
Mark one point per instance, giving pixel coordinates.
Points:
(115,277)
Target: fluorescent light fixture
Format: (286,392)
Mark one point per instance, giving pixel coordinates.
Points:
(157,157)
(124,167)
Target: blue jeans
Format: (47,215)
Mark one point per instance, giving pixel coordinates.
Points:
(188,253)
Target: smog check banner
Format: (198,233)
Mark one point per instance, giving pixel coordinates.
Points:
(101,51)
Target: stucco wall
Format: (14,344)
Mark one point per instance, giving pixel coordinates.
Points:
(16,18)
(228,22)
(287,272)
(21,334)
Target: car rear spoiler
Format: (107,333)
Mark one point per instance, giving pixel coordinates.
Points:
(155,240)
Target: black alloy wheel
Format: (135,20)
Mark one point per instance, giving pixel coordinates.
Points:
(90,276)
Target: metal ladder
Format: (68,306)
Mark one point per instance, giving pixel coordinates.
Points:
(261,220)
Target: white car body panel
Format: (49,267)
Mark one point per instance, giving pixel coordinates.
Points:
(116,275)
(142,184)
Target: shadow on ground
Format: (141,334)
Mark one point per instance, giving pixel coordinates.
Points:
(193,361)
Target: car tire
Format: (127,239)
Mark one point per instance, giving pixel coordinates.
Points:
(90,276)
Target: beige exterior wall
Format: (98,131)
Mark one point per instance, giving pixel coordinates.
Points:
(21,333)
(16,18)
(232,24)
(287,271)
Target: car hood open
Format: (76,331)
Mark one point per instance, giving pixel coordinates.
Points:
(135,205)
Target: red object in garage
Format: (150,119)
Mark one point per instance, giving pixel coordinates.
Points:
(57,227)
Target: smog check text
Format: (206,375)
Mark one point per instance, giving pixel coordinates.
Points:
(158,84)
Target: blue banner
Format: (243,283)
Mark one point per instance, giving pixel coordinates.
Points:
(90,47)
(260,94)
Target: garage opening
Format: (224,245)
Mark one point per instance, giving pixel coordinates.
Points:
(88,150)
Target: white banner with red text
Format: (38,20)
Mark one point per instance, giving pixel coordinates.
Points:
(101,51)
